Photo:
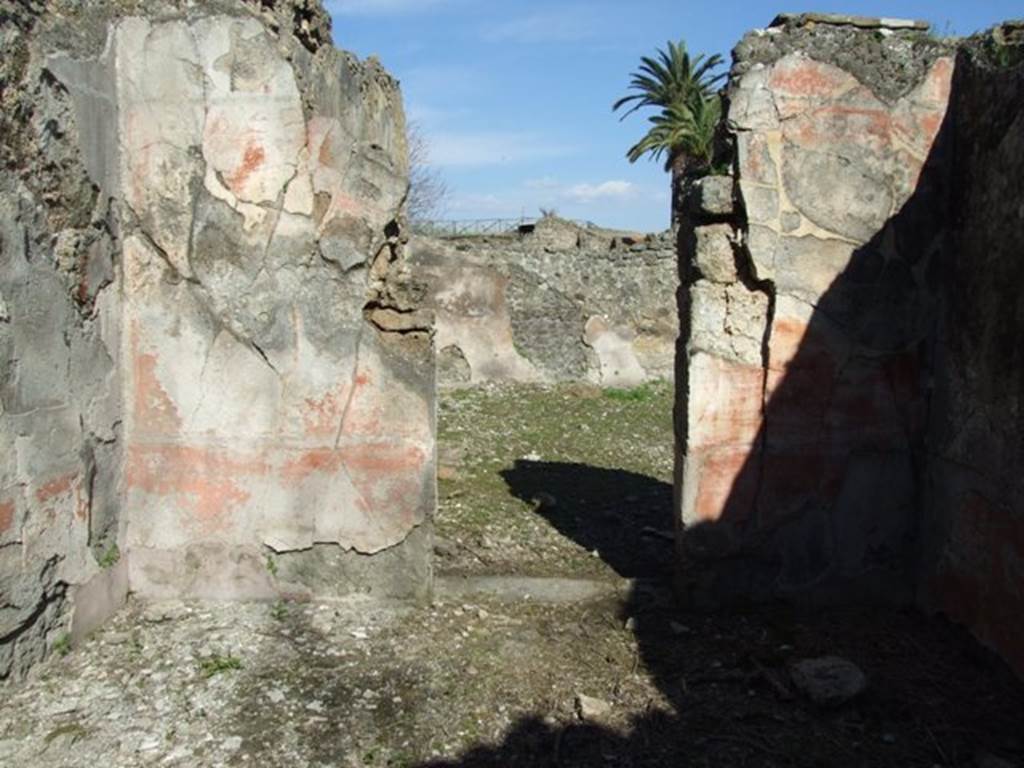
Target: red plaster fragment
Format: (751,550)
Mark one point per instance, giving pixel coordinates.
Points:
(6,516)
(321,416)
(727,486)
(206,481)
(154,409)
(254,157)
(55,488)
(808,79)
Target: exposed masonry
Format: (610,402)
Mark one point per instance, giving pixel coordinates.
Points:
(558,303)
(822,369)
(217,369)
(217,377)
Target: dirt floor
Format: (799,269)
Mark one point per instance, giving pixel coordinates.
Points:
(597,667)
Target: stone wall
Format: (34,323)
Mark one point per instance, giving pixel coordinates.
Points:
(215,381)
(973,561)
(557,303)
(802,400)
(60,425)
(850,377)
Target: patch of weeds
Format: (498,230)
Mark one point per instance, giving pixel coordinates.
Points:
(1006,56)
(279,611)
(110,557)
(635,395)
(919,36)
(272,566)
(216,664)
(62,645)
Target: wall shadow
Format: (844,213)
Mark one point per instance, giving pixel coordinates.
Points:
(826,506)
(625,517)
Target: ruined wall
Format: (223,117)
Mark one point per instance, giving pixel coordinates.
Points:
(802,396)
(60,417)
(560,303)
(973,563)
(215,380)
(850,375)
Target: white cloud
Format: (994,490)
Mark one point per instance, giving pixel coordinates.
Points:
(490,148)
(606,190)
(380,7)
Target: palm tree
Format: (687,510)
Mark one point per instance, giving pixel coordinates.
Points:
(683,133)
(683,130)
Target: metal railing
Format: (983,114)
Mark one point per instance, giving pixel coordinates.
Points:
(470,227)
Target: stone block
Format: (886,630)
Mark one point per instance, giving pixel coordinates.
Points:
(728,321)
(712,196)
(713,256)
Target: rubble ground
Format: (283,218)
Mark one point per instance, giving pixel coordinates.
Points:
(624,678)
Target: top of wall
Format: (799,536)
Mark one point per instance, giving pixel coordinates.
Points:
(552,234)
(998,48)
(846,20)
(889,56)
(78,27)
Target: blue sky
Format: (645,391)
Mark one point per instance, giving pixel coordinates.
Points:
(515,97)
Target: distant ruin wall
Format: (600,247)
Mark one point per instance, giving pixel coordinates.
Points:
(216,380)
(973,555)
(559,303)
(849,377)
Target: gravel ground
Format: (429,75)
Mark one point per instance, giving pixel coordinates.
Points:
(619,677)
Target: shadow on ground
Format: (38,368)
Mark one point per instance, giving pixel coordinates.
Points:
(492,683)
(624,517)
(726,698)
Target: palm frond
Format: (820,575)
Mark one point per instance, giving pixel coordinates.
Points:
(681,130)
(682,90)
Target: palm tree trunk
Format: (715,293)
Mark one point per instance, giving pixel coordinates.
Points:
(678,165)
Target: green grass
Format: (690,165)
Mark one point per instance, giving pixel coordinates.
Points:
(1006,56)
(215,665)
(62,645)
(485,433)
(635,395)
(110,557)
